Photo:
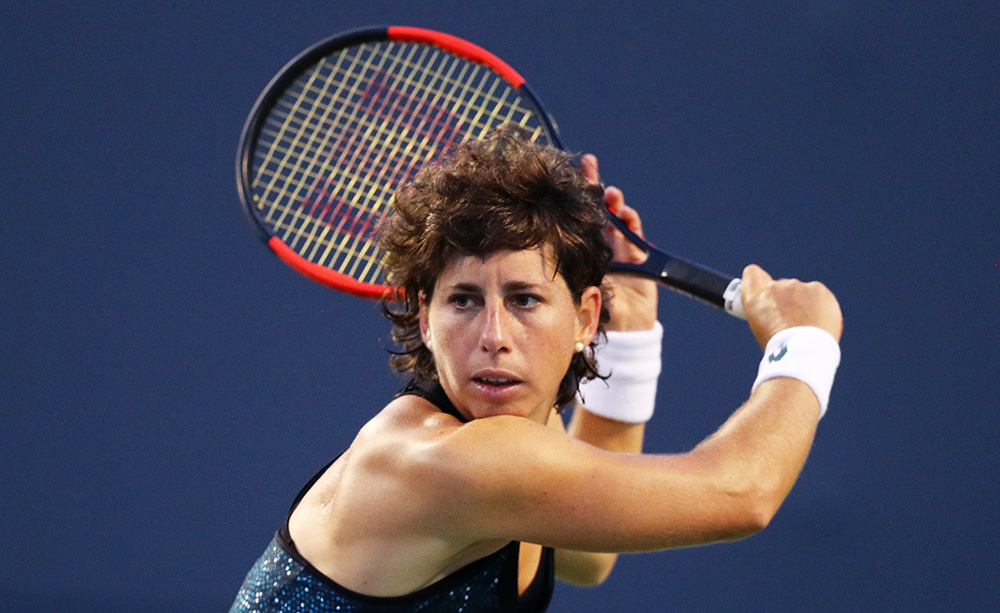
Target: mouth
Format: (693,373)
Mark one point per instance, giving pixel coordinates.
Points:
(495,381)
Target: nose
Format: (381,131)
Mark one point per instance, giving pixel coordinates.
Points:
(495,333)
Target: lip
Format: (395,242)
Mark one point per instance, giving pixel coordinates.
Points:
(496,384)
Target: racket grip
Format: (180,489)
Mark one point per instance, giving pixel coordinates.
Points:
(683,276)
(693,280)
(732,299)
(703,283)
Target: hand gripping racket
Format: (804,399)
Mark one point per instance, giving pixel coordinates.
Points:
(355,116)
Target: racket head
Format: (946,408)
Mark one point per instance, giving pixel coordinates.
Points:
(349,120)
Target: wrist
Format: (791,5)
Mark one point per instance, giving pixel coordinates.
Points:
(806,353)
(633,363)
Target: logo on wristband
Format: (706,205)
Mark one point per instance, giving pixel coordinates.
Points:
(778,353)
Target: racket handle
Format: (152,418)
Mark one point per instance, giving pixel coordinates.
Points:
(691,279)
(732,299)
(684,276)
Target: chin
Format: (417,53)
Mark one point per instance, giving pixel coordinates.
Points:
(478,409)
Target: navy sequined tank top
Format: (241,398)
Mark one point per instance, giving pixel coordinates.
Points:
(282,580)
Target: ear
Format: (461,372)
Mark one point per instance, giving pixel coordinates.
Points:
(589,314)
(425,329)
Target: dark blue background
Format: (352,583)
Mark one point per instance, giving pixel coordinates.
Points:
(167,384)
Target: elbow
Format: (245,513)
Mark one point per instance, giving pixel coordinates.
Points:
(749,513)
(758,517)
(589,580)
(584,569)
(745,498)
(600,571)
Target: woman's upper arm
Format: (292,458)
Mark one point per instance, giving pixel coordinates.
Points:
(509,478)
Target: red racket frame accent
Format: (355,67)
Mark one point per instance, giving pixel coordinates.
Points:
(447,42)
(687,277)
(329,277)
(459,47)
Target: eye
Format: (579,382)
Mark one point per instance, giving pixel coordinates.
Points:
(461,301)
(526,301)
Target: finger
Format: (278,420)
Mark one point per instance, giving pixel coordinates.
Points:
(754,280)
(588,164)
(616,204)
(614,199)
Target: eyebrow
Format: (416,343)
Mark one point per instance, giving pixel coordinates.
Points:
(508,287)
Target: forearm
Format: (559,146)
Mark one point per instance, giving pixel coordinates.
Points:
(589,568)
(620,426)
(733,482)
(541,486)
(612,414)
(607,434)
(758,453)
(730,485)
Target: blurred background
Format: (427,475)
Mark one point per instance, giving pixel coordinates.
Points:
(167,384)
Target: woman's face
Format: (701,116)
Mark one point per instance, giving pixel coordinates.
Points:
(503,329)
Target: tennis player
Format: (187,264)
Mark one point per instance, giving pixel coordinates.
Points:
(466,492)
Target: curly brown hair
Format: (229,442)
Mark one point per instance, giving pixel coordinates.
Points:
(499,193)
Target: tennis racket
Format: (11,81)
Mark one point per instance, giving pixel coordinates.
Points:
(350,119)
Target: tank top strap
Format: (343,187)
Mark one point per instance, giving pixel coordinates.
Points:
(432,392)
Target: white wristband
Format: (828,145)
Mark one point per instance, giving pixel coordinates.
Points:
(806,353)
(633,361)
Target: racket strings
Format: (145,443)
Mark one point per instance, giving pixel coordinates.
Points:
(355,126)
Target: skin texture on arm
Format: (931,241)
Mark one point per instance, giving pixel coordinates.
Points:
(421,493)
(584,567)
(451,492)
(633,307)
(534,485)
(528,483)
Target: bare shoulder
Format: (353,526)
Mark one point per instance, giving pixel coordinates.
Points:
(450,470)
(380,461)
(400,433)
(414,434)
(378,507)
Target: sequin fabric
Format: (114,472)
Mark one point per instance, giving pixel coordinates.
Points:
(277,582)
(282,580)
